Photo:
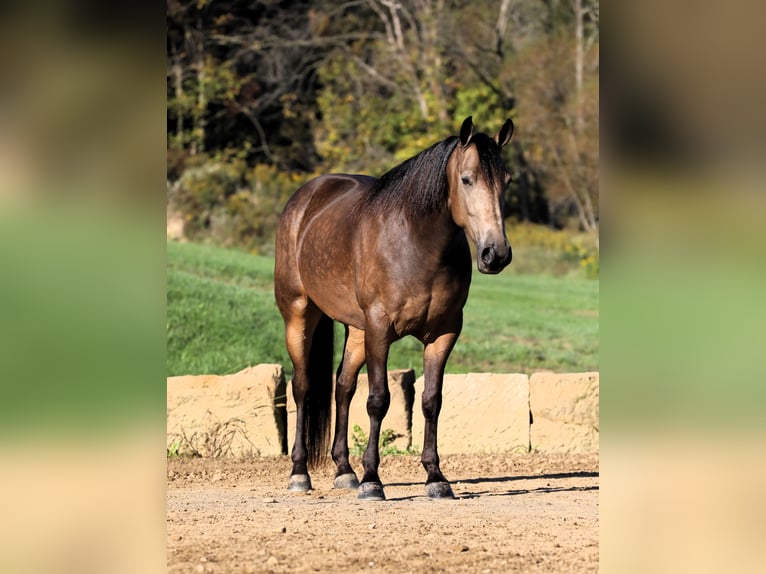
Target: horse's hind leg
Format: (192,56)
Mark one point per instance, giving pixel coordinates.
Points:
(345,387)
(299,328)
(435,359)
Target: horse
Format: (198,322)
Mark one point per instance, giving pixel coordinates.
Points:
(387,258)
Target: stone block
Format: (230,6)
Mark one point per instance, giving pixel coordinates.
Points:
(481,413)
(233,415)
(399,417)
(564,412)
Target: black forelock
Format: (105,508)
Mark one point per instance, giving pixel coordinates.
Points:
(490,158)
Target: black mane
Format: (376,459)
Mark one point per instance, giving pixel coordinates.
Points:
(419,185)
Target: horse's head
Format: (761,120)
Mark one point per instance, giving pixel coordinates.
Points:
(477,177)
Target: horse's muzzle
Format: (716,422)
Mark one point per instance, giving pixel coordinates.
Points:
(491,258)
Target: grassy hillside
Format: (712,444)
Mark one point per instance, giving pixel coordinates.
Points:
(221,317)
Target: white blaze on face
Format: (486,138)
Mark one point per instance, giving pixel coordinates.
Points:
(481,214)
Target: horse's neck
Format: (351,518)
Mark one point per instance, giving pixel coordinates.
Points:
(433,232)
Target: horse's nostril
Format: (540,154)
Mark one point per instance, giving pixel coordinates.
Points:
(488,254)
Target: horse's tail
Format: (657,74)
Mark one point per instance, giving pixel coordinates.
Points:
(318,398)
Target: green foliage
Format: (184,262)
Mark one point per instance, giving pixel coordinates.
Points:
(585,255)
(229,204)
(357,87)
(203,193)
(253,213)
(591,265)
(478,100)
(363,130)
(173,450)
(386,446)
(221,317)
(541,249)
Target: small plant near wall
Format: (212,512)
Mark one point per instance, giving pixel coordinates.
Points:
(387,447)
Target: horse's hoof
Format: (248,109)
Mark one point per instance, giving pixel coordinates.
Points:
(347,481)
(371,491)
(439,490)
(299,483)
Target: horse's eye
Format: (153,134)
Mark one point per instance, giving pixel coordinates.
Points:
(466,180)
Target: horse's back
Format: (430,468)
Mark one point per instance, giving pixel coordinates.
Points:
(315,196)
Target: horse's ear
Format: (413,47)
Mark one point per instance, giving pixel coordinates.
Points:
(466,131)
(504,135)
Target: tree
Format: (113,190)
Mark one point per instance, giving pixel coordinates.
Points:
(358,85)
(240,78)
(556,75)
(385,95)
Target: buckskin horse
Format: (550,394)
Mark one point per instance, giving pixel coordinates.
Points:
(387,258)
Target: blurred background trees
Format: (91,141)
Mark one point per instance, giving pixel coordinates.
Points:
(264,94)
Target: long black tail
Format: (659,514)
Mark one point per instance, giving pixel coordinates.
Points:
(318,398)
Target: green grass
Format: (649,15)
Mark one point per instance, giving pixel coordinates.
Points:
(221,317)
(221,314)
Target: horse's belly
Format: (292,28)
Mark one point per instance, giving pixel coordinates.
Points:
(336,300)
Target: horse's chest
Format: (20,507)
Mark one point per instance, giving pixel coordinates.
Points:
(420,283)
(422,311)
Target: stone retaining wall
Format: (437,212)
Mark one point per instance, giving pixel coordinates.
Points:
(481,412)
(252,412)
(241,414)
(564,412)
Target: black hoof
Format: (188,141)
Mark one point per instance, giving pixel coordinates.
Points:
(439,490)
(371,491)
(347,481)
(299,483)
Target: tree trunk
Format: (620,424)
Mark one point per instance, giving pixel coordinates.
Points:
(201,105)
(432,61)
(198,139)
(500,26)
(579,59)
(179,90)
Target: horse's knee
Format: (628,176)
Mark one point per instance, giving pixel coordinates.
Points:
(432,405)
(378,403)
(345,390)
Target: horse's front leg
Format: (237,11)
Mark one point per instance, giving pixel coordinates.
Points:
(377,340)
(434,360)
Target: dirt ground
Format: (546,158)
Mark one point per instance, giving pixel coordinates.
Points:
(513,513)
